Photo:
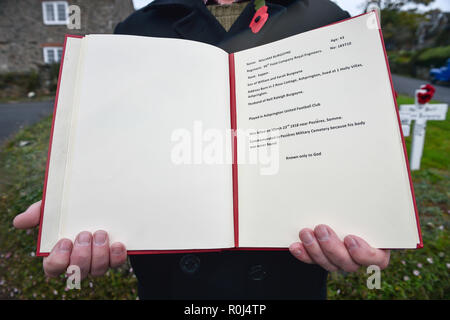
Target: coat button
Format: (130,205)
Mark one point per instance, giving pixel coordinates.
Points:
(257,273)
(189,264)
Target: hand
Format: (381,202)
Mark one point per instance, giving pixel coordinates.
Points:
(323,247)
(92,253)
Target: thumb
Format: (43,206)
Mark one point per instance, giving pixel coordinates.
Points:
(29,218)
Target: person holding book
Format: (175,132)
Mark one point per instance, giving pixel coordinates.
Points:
(298,274)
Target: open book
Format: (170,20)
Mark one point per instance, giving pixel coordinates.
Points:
(173,145)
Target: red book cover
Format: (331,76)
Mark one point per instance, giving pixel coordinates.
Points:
(234,156)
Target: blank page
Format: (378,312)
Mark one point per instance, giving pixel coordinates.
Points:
(134,96)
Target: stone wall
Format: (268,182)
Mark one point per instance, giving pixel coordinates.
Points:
(23,33)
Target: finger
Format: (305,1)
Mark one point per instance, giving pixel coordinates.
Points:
(334,248)
(314,251)
(364,254)
(118,255)
(81,253)
(29,218)
(299,252)
(58,259)
(100,253)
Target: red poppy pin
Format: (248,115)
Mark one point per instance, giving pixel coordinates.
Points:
(260,17)
(425,93)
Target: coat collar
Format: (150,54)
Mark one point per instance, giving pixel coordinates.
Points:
(200,24)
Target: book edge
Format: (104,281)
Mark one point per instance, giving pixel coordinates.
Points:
(39,253)
(419,231)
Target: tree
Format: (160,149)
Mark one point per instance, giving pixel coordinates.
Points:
(400,25)
(398,4)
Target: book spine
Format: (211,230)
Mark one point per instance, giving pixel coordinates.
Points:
(234,147)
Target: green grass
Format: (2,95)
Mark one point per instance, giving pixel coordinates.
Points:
(25,99)
(22,172)
(21,275)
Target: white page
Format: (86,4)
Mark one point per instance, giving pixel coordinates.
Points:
(357,183)
(60,144)
(134,92)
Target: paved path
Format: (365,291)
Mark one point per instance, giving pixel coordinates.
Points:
(14,116)
(405,85)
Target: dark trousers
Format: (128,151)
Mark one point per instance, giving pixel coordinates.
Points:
(228,275)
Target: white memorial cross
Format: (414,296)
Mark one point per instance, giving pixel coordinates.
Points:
(420,113)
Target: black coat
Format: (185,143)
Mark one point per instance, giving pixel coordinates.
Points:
(228,275)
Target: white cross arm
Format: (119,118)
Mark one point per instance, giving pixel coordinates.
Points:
(427,111)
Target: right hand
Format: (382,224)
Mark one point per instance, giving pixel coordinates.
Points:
(92,253)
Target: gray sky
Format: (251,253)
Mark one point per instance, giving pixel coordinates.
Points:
(354,7)
(140,3)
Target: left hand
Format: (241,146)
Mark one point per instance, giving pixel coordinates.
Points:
(323,247)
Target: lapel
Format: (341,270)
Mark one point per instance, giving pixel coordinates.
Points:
(200,24)
(197,23)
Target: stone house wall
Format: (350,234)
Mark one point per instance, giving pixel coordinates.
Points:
(23,34)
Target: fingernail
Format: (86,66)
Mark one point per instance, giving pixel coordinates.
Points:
(350,243)
(116,250)
(65,245)
(306,237)
(322,233)
(84,239)
(295,251)
(99,238)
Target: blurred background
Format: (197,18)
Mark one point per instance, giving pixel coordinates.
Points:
(417,40)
